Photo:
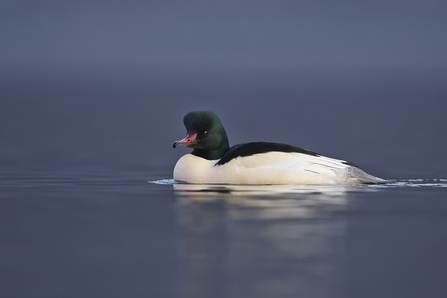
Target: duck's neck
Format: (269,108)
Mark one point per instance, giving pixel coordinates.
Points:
(213,154)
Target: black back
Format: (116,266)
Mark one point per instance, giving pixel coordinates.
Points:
(248,149)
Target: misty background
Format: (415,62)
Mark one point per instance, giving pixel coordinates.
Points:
(92,96)
(106,83)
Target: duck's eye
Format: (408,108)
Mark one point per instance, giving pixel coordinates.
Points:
(205,133)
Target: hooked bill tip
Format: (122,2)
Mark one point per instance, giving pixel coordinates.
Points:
(174,144)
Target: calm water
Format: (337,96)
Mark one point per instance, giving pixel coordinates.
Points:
(78,217)
(68,234)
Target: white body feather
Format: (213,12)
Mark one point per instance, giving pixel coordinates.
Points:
(271,168)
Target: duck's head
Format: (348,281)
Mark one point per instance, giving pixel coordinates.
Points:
(205,134)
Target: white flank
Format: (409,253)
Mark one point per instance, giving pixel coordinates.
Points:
(271,168)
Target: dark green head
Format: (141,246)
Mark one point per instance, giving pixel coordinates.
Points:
(205,134)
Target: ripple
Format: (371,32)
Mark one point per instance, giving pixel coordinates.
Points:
(332,190)
(163,182)
(433,183)
(402,183)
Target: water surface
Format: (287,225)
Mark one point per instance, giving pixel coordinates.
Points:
(70,234)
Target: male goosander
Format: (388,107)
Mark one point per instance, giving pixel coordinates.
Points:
(213,161)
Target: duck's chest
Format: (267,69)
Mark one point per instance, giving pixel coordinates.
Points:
(194,169)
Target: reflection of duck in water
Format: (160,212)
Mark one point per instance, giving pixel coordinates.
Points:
(213,161)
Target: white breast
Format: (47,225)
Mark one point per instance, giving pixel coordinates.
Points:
(193,169)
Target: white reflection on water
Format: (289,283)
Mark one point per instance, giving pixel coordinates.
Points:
(268,201)
(261,241)
(265,190)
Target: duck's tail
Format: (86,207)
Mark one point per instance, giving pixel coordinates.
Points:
(354,175)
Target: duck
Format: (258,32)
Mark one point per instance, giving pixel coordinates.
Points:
(213,161)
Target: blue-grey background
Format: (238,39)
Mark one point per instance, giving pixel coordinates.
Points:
(94,92)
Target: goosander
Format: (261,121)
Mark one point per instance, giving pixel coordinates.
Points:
(213,161)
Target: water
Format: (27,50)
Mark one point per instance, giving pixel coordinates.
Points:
(79,218)
(69,234)
(313,241)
